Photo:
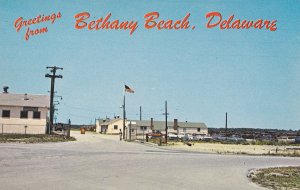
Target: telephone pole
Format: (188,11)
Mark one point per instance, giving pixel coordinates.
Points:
(166,114)
(124,117)
(53,76)
(140,113)
(226,125)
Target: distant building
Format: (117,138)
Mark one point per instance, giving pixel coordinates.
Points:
(146,126)
(23,113)
(173,127)
(109,126)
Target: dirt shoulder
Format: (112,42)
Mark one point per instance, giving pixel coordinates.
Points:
(236,148)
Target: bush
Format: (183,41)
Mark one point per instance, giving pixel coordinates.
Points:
(30,138)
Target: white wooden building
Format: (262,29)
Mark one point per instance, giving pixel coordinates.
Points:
(23,113)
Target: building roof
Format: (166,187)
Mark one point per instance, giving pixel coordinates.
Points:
(29,100)
(110,121)
(161,125)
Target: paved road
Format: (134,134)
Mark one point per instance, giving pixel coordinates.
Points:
(99,162)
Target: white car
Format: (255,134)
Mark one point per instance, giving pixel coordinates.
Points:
(180,136)
(188,137)
(172,136)
(198,137)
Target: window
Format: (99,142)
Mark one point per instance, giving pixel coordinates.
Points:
(6,113)
(24,114)
(36,115)
(115,126)
(143,127)
(198,129)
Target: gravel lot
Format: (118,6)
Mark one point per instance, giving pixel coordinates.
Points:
(103,162)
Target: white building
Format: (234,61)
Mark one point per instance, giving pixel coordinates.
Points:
(23,113)
(110,126)
(175,127)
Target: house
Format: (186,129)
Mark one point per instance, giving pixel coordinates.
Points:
(23,113)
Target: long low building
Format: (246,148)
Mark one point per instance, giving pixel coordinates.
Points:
(23,113)
(175,127)
(113,126)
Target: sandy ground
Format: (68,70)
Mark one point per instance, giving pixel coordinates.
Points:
(92,136)
(236,149)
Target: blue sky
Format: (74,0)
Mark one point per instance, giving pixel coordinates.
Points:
(203,73)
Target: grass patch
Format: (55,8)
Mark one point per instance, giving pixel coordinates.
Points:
(277,178)
(294,153)
(30,138)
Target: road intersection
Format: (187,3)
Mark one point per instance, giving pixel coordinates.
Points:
(102,162)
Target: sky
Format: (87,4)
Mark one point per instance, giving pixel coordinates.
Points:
(253,74)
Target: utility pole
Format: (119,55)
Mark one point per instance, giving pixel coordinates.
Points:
(166,114)
(69,128)
(226,125)
(140,113)
(130,131)
(53,76)
(124,117)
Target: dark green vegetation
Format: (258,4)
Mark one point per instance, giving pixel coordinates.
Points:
(260,142)
(252,133)
(277,178)
(28,138)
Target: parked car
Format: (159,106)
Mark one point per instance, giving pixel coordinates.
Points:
(180,136)
(218,138)
(235,139)
(172,136)
(188,137)
(198,137)
(58,127)
(207,138)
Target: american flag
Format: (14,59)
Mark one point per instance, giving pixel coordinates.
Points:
(128,89)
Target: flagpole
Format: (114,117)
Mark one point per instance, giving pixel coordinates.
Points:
(124,117)
(127,89)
